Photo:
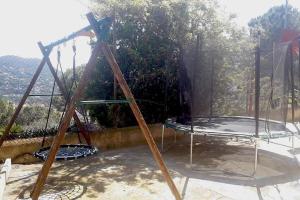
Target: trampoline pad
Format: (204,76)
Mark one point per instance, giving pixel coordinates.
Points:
(239,126)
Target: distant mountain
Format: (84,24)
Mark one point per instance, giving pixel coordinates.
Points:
(15,75)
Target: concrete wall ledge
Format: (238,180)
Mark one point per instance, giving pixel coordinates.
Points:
(20,151)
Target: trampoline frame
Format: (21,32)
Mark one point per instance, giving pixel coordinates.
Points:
(187,128)
(221,134)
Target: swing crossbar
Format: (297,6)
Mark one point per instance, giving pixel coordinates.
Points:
(92,102)
(102,22)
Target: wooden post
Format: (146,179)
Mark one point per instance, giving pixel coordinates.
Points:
(22,102)
(140,119)
(65,124)
(65,95)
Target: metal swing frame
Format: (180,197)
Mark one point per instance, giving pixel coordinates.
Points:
(101,29)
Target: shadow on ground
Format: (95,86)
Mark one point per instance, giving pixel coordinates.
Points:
(214,161)
(92,174)
(232,164)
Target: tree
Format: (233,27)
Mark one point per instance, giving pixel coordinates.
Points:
(30,117)
(34,117)
(6,110)
(271,24)
(153,41)
(274,25)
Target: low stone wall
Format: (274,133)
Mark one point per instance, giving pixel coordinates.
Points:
(20,151)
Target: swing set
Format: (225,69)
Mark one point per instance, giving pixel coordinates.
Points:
(66,152)
(101,29)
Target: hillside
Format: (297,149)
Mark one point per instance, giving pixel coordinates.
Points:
(15,75)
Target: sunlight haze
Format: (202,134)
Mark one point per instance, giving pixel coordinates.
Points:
(247,10)
(24,23)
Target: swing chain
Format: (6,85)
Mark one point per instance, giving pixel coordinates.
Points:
(51,98)
(58,55)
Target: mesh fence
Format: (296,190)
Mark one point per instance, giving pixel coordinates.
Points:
(212,86)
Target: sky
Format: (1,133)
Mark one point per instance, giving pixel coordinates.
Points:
(248,9)
(25,22)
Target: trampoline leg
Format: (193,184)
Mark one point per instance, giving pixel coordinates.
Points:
(191,149)
(293,143)
(162,137)
(256,156)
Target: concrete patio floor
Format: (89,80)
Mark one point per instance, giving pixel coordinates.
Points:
(223,169)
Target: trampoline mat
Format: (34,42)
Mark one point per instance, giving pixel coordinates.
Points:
(67,152)
(239,126)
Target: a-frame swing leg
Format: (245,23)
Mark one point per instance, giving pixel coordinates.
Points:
(64,124)
(139,118)
(71,109)
(133,105)
(65,95)
(23,100)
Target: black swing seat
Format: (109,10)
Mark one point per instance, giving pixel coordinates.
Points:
(68,152)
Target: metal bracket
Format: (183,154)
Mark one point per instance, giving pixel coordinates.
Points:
(101,29)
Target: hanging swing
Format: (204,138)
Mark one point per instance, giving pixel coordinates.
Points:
(68,151)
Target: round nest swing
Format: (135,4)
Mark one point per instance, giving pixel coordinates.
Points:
(68,152)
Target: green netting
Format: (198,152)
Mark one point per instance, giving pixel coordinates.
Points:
(211,85)
(275,83)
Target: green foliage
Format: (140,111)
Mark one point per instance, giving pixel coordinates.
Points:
(30,117)
(271,24)
(6,110)
(16,128)
(34,116)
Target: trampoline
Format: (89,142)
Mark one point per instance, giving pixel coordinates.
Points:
(68,152)
(216,88)
(230,127)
